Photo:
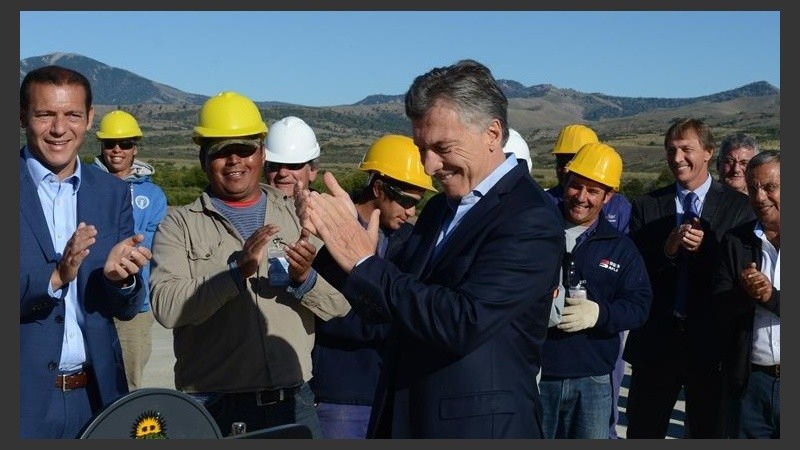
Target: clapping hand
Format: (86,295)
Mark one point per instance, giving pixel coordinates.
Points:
(332,218)
(300,256)
(125,259)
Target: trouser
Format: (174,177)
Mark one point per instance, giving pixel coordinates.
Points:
(760,408)
(68,413)
(136,340)
(341,421)
(576,408)
(654,390)
(263,409)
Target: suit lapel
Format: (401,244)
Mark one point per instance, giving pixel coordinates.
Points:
(31,211)
(712,203)
(474,220)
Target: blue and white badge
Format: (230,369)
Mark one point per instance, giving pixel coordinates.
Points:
(278,273)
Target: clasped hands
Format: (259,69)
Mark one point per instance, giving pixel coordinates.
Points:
(688,236)
(579,314)
(333,218)
(755,283)
(299,254)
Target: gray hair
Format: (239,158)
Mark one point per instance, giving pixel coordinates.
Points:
(733,142)
(469,86)
(765,157)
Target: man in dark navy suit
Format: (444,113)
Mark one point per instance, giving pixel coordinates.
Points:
(79,262)
(468,295)
(678,229)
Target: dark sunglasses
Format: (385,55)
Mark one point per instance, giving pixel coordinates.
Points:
(275,166)
(242,151)
(124,145)
(395,194)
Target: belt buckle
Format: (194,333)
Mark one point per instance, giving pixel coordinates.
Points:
(65,378)
(281,397)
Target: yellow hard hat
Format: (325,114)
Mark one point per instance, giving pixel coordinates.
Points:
(573,137)
(598,162)
(119,125)
(397,157)
(229,114)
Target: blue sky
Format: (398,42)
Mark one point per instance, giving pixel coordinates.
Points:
(327,58)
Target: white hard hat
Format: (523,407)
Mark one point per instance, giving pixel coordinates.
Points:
(291,140)
(517,145)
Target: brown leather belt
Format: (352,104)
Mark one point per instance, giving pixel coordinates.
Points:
(774,371)
(72,381)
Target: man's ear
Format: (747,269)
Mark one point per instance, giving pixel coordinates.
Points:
(495,135)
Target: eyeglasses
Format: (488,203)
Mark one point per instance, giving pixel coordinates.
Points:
(124,145)
(275,166)
(769,188)
(395,194)
(735,162)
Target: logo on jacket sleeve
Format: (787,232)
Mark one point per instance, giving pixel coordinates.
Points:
(606,263)
(141,201)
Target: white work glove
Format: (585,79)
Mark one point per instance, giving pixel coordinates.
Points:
(579,314)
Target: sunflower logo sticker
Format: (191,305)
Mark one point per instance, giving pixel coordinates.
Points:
(149,425)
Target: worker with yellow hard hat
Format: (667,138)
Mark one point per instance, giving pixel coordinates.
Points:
(608,292)
(617,211)
(119,136)
(232,278)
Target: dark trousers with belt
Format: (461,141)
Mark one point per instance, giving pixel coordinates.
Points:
(656,384)
(264,409)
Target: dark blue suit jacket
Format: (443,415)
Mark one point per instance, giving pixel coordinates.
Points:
(105,202)
(347,352)
(468,327)
(653,217)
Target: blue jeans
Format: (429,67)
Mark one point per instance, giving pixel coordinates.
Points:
(760,414)
(242,407)
(343,421)
(576,408)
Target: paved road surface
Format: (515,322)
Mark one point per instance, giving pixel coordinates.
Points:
(158,373)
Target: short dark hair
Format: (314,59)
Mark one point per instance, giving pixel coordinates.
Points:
(57,76)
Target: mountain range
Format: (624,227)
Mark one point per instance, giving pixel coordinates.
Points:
(537,111)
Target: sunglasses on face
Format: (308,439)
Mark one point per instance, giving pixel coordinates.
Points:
(124,145)
(395,194)
(275,166)
(242,151)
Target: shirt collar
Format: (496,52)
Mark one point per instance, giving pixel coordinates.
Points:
(701,190)
(487,183)
(40,173)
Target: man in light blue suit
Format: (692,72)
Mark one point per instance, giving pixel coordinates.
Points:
(79,262)
(468,294)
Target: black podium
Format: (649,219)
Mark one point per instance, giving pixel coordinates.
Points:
(157,413)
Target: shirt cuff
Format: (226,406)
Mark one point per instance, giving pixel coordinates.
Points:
(300,290)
